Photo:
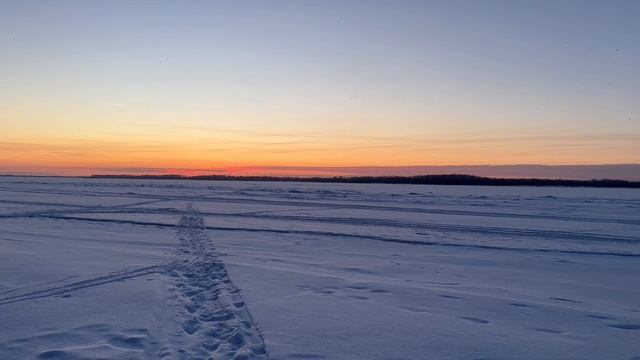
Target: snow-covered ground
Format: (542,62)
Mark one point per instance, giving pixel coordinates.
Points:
(133,269)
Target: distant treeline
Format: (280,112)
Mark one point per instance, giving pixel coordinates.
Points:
(452,179)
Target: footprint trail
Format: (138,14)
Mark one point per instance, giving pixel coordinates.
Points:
(214,320)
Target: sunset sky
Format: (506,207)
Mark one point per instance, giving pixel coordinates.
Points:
(212,86)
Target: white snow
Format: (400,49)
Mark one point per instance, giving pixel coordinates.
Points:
(137,269)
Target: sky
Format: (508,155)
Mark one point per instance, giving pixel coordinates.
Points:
(215,86)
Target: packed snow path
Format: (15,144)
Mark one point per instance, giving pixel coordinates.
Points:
(214,319)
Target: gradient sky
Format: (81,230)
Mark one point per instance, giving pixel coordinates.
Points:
(99,86)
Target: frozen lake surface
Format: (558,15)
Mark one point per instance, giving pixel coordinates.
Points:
(136,269)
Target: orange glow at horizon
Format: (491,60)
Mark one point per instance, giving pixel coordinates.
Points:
(257,154)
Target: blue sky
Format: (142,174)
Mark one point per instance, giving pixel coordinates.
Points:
(326,83)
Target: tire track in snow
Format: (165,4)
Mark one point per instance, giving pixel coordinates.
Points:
(345,205)
(214,319)
(559,234)
(494,230)
(373,237)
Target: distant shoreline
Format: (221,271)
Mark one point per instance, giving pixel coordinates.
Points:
(449,179)
(446,179)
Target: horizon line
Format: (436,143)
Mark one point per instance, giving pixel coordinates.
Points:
(622,171)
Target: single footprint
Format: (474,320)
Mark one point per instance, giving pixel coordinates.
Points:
(191,326)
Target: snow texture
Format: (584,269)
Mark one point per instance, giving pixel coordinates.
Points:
(135,269)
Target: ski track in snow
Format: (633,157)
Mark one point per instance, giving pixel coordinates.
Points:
(214,319)
(96,281)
